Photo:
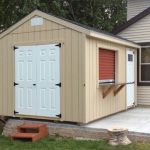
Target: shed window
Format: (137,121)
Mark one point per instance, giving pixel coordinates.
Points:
(106,65)
(130,57)
(145,64)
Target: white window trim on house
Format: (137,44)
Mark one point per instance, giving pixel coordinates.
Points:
(140,64)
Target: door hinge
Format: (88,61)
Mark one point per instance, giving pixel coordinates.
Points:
(15,112)
(58,84)
(58,45)
(15,47)
(59,115)
(15,84)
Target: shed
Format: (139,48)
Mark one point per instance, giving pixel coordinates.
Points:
(56,69)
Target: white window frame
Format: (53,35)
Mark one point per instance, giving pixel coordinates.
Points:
(140,64)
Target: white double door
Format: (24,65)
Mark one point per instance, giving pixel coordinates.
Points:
(37,71)
(130,78)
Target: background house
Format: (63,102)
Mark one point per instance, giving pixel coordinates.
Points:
(137,29)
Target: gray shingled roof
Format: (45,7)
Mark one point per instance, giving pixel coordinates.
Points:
(91,28)
(85,27)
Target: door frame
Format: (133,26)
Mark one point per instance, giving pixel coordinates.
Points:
(62,111)
(128,49)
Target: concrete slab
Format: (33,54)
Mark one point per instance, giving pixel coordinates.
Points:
(135,119)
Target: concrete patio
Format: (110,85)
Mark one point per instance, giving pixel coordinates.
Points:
(135,119)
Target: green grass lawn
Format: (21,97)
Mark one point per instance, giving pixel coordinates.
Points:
(55,143)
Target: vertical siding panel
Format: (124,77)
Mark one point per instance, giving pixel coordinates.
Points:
(100,89)
(1,77)
(55,34)
(43,27)
(80,80)
(87,84)
(37,36)
(48,25)
(37,28)
(68,83)
(26,30)
(26,27)
(31,36)
(31,28)
(63,74)
(20,37)
(25,37)
(75,75)
(83,78)
(94,51)
(43,36)
(49,35)
(5,77)
(10,88)
(91,101)
(20,29)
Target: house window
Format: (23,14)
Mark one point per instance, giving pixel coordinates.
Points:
(145,64)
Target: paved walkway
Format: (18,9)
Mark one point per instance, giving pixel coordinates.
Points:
(135,119)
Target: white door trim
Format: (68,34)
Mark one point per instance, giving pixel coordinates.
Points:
(130,99)
(51,50)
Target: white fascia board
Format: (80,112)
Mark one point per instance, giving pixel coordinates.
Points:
(113,39)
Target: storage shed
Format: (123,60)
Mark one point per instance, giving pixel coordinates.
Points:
(56,69)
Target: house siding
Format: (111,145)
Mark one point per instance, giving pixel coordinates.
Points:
(143,96)
(134,7)
(138,32)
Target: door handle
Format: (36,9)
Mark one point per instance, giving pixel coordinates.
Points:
(34,84)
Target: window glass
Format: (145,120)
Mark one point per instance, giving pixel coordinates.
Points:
(130,57)
(145,72)
(145,55)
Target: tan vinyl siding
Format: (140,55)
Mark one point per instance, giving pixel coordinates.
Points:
(143,96)
(138,32)
(71,54)
(96,106)
(134,7)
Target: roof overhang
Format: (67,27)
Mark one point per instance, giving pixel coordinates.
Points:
(114,40)
(67,24)
(48,17)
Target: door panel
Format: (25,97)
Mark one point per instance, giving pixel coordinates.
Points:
(48,75)
(130,78)
(37,73)
(25,76)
